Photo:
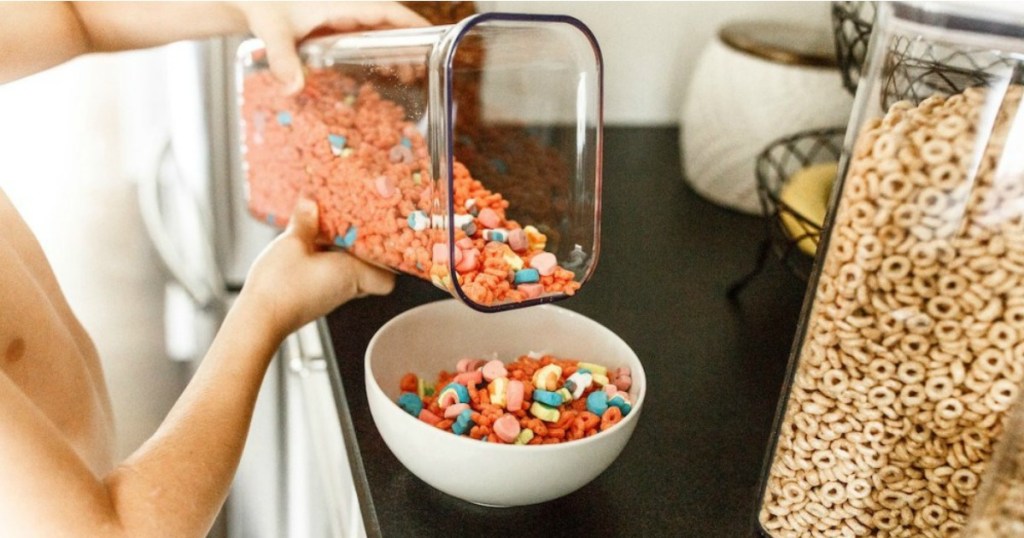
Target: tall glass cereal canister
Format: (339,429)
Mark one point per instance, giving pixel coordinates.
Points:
(910,349)
(468,155)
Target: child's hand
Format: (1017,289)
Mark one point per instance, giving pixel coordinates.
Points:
(281,24)
(294,281)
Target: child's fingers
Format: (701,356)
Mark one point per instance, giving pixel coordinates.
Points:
(304,222)
(352,277)
(374,280)
(279,40)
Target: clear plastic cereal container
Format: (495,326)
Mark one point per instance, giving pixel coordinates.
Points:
(468,155)
(910,350)
(999,508)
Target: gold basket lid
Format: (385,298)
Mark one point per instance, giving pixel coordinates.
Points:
(782,42)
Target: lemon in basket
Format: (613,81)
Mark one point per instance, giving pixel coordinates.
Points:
(806,194)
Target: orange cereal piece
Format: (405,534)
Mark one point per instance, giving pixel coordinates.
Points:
(408,383)
(610,418)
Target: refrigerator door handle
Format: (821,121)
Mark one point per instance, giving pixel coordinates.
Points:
(203,285)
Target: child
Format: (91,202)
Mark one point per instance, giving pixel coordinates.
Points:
(57,474)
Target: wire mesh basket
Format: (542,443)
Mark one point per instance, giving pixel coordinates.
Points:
(787,225)
(851,25)
(917,69)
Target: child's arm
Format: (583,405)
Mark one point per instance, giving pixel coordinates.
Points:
(176,482)
(35,36)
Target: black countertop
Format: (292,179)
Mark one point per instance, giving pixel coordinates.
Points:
(714,369)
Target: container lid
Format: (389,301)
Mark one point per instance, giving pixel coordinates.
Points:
(782,42)
(995,18)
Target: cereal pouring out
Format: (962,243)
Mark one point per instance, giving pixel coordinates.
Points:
(478,191)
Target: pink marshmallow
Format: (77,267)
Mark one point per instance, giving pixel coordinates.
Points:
(471,378)
(464,243)
(440,253)
(514,394)
(506,428)
(531,291)
(385,186)
(468,365)
(454,410)
(493,370)
(468,261)
(610,389)
(517,240)
(489,218)
(544,263)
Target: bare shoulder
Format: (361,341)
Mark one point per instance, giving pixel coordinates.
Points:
(44,352)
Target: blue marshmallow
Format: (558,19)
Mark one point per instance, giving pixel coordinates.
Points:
(597,402)
(546,397)
(410,403)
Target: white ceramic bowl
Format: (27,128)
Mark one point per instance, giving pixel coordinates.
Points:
(431,338)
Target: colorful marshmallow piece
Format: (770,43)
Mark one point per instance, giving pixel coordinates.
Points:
(531,291)
(284,118)
(526,276)
(439,253)
(578,383)
(514,261)
(524,437)
(406,142)
(515,394)
(423,388)
(461,220)
(544,412)
(418,221)
(400,154)
(470,379)
(494,369)
(597,402)
(469,261)
(347,240)
(547,377)
(535,239)
(517,240)
(551,399)
(593,368)
(599,379)
(385,186)
(468,365)
(507,428)
(463,422)
(452,393)
(621,401)
(337,143)
(489,218)
(545,263)
(411,403)
(499,391)
(497,234)
(454,410)
(565,394)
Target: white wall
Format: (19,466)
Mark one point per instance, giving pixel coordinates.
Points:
(650,48)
